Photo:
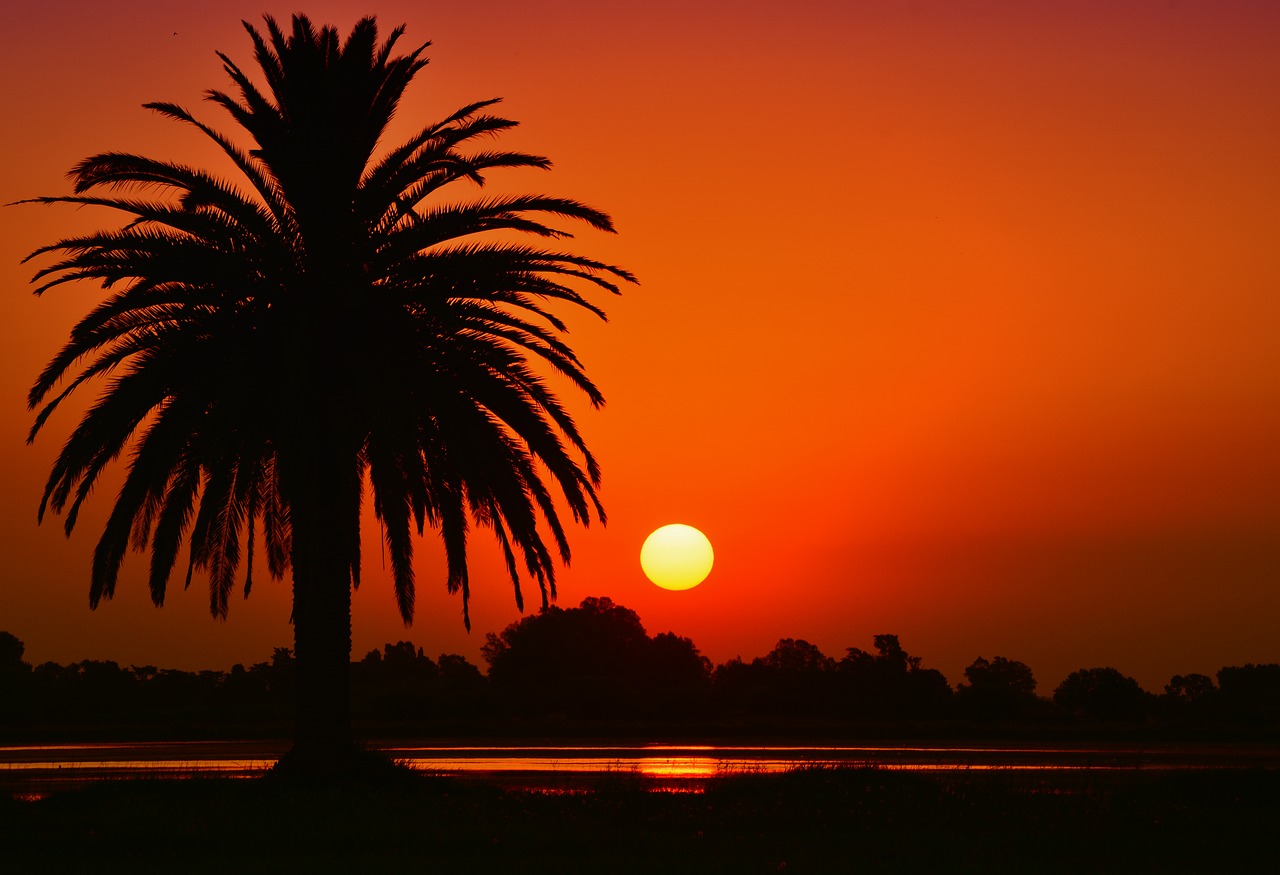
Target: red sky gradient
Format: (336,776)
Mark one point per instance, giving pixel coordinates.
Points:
(958,320)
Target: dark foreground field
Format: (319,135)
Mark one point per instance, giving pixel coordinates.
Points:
(822,820)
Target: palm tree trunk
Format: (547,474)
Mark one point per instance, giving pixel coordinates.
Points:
(324,506)
(322,653)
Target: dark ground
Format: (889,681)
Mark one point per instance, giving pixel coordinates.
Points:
(820,820)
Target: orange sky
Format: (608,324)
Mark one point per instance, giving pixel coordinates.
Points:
(958,320)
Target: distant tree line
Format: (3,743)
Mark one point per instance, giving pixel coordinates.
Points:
(595,667)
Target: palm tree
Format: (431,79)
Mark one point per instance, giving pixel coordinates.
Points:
(334,318)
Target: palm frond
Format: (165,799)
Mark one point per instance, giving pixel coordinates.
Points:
(324,294)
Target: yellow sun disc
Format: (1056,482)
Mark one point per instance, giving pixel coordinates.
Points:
(677,557)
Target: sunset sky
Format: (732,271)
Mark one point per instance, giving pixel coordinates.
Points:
(957,320)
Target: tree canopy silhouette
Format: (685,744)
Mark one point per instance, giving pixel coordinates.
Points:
(998,689)
(596,661)
(891,682)
(335,316)
(594,670)
(1102,694)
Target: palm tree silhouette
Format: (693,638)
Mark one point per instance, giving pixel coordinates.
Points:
(335,318)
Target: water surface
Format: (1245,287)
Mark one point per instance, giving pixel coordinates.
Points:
(32,771)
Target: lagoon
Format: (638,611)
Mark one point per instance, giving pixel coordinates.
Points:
(34,771)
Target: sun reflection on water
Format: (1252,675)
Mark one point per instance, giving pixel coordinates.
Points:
(679,767)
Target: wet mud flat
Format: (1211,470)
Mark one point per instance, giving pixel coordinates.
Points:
(814,819)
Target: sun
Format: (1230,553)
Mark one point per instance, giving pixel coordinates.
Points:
(677,557)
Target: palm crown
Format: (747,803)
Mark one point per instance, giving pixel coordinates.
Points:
(329,320)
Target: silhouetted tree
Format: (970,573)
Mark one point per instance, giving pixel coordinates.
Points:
(1250,693)
(463,689)
(175,700)
(1102,694)
(595,660)
(398,683)
(997,689)
(891,683)
(737,685)
(252,695)
(89,691)
(678,677)
(1190,688)
(331,317)
(797,657)
(11,650)
(403,662)
(1192,697)
(15,679)
(403,685)
(794,679)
